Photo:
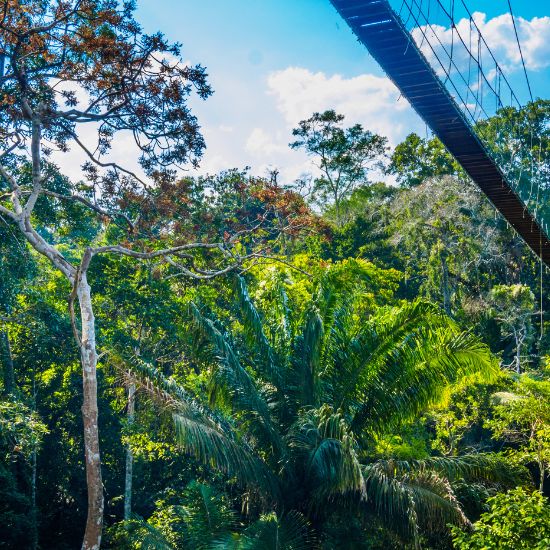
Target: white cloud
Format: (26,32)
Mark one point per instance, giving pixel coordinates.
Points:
(498,32)
(215,161)
(534,36)
(260,143)
(216,130)
(368,99)
(259,138)
(296,93)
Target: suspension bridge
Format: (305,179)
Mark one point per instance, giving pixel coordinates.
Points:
(451,78)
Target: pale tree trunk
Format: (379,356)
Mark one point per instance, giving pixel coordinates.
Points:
(94,522)
(88,356)
(518,352)
(519,337)
(129,456)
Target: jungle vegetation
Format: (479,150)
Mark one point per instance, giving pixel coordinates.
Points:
(227,361)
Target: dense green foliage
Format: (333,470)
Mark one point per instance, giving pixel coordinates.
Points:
(365,367)
(516,519)
(344,398)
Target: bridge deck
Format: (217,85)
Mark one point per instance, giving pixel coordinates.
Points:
(381,30)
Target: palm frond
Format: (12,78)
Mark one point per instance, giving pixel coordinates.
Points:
(435,502)
(207,516)
(200,431)
(288,532)
(336,351)
(490,467)
(412,500)
(376,342)
(391,499)
(338,282)
(422,490)
(408,367)
(254,329)
(145,536)
(307,359)
(214,447)
(233,377)
(324,443)
(418,373)
(164,391)
(229,541)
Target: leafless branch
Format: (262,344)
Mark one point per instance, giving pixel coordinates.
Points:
(113,165)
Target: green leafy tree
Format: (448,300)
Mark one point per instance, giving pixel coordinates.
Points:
(417,159)
(520,140)
(196,519)
(514,307)
(21,434)
(71,65)
(344,155)
(522,418)
(459,419)
(516,519)
(450,242)
(65,65)
(21,431)
(205,521)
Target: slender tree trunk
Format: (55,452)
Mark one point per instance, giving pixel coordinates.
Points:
(519,338)
(34,515)
(337,209)
(34,456)
(445,284)
(94,522)
(542,466)
(88,357)
(9,371)
(129,456)
(518,355)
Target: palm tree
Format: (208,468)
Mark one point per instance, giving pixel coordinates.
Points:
(298,394)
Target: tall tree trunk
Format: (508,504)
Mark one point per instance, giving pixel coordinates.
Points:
(94,522)
(519,337)
(445,283)
(88,357)
(9,371)
(129,456)
(337,210)
(518,354)
(34,514)
(34,465)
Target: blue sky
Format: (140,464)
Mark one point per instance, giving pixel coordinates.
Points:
(274,62)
